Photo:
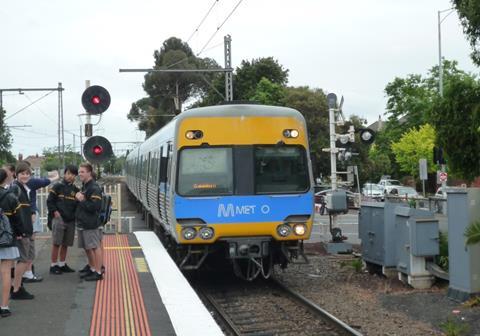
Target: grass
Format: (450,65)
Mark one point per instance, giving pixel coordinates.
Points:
(454,328)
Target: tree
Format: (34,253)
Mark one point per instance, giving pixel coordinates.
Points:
(5,140)
(378,164)
(168,91)
(312,103)
(269,93)
(415,145)
(456,118)
(469,13)
(52,162)
(246,78)
(114,165)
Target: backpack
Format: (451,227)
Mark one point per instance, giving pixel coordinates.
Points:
(7,237)
(105,209)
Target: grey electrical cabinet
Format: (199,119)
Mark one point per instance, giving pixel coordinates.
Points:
(417,235)
(376,228)
(463,207)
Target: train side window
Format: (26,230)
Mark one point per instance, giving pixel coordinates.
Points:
(163,168)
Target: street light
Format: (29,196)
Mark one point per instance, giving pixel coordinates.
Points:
(440,65)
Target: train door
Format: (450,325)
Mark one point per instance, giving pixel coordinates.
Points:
(158,183)
(168,185)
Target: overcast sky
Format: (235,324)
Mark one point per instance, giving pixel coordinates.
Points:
(350,47)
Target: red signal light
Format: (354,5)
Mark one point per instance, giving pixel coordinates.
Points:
(95,100)
(97,150)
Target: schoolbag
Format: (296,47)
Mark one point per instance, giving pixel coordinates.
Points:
(105,209)
(7,237)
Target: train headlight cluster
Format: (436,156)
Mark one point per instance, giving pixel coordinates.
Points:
(284,230)
(299,229)
(194,134)
(206,233)
(189,233)
(290,133)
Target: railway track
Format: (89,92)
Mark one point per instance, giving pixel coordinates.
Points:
(267,308)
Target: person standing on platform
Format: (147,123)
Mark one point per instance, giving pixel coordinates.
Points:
(24,240)
(86,216)
(34,184)
(61,205)
(8,255)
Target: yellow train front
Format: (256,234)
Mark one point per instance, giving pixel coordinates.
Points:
(239,183)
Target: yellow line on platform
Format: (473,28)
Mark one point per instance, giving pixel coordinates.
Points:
(122,248)
(141,265)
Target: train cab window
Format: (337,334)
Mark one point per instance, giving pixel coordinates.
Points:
(281,169)
(205,172)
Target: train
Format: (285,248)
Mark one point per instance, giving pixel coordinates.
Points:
(232,181)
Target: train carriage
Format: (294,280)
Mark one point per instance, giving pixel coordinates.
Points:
(229,179)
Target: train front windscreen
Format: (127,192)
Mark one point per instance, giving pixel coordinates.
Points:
(242,170)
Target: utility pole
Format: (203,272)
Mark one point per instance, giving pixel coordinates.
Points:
(59,89)
(228,65)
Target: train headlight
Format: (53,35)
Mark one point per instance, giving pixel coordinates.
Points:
(299,229)
(290,133)
(194,134)
(189,233)
(284,230)
(206,233)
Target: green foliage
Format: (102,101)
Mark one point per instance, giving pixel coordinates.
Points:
(454,328)
(472,233)
(246,81)
(5,140)
(114,165)
(52,162)
(469,13)
(269,93)
(456,119)
(159,107)
(312,103)
(413,146)
(356,264)
(249,74)
(378,163)
(442,259)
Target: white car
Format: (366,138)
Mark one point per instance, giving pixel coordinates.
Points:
(372,190)
(387,185)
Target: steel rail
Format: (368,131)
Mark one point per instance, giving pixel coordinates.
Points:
(224,316)
(316,309)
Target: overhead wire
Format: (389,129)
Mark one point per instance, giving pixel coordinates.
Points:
(219,27)
(25,107)
(203,20)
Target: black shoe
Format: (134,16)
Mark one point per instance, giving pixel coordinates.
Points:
(93,277)
(85,274)
(103,270)
(5,312)
(36,278)
(85,269)
(21,294)
(55,270)
(66,269)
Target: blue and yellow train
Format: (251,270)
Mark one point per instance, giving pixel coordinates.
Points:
(233,180)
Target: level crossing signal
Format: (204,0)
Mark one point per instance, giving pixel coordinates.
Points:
(95,99)
(97,149)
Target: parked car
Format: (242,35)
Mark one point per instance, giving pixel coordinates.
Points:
(388,184)
(443,195)
(352,198)
(404,192)
(372,190)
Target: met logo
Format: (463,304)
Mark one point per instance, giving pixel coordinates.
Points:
(231,210)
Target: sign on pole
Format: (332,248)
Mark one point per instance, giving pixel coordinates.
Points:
(441,177)
(423,169)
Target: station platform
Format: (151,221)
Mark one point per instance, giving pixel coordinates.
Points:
(142,293)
